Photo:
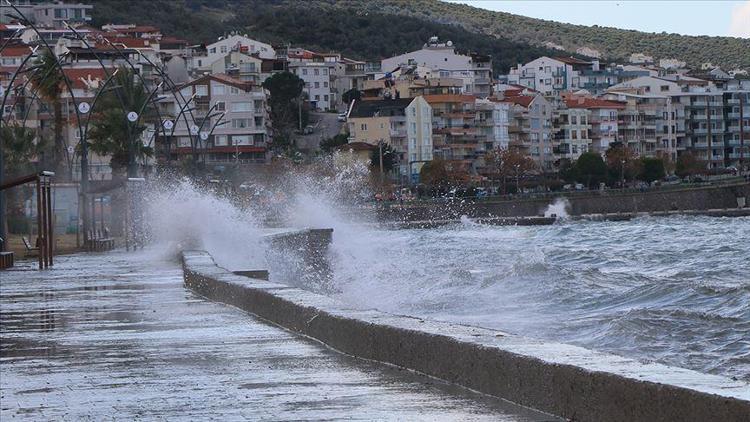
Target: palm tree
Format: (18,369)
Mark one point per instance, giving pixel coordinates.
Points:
(48,78)
(111,132)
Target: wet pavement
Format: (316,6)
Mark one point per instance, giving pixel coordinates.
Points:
(117,336)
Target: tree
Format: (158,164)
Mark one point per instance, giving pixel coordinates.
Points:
(389,158)
(622,163)
(507,162)
(327,146)
(20,146)
(286,102)
(434,173)
(111,133)
(651,169)
(350,95)
(591,168)
(48,80)
(688,165)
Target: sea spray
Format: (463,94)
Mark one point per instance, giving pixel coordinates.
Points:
(559,209)
(182,215)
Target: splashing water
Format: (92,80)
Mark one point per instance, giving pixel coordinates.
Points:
(559,208)
(182,216)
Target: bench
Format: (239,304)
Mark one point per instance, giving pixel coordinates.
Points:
(30,250)
(97,241)
(6,258)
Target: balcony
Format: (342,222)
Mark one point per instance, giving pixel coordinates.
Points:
(398,133)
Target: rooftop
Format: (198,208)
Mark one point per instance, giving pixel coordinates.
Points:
(382,108)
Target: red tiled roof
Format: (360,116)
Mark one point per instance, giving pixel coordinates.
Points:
(522,100)
(13,51)
(582,102)
(78,75)
(449,98)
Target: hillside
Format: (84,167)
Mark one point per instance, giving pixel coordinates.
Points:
(373,29)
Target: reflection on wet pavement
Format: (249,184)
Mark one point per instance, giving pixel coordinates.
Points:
(118,336)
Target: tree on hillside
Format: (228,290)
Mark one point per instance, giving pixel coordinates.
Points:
(505,163)
(590,168)
(111,133)
(651,169)
(48,80)
(689,165)
(286,102)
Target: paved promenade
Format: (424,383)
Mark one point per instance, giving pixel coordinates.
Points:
(118,336)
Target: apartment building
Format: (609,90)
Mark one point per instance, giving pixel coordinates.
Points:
(48,14)
(317,77)
(530,128)
(551,76)
(405,124)
(456,136)
(441,58)
(493,120)
(602,120)
(239,65)
(228,123)
(572,129)
(202,60)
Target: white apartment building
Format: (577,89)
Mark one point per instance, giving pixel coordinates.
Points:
(550,76)
(419,135)
(493,117)
(441,58)
(225,45)
(317,77)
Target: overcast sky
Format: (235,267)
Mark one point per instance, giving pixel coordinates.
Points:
(714,17)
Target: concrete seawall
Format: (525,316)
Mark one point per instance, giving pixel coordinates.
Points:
(563,380)
(604,202)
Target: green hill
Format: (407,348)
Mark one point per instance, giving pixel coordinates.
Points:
(374,29)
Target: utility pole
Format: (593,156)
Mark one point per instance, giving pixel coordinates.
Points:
(380,148)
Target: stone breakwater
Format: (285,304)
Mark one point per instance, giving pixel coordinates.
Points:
(563,380)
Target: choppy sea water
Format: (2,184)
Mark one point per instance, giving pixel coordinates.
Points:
(674,290)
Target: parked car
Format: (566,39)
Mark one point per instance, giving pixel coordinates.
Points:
(308,130)
(342,117)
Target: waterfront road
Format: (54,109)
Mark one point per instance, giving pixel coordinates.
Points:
(117,336)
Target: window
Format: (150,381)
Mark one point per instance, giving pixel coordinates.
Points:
(259,138)
(325,98)
(307,84)
(240,123)
(259,122)
(575,149)
(412,143)
(243,106)
(218,89)
(574,134)
(317,98)
(200,63)
(413,127)
(573,119)
(212,51)
(241,140)
(325,72)
(325,84)
(234,90)
(223,49)
(664,88)
(201,90)
(316,72)
(258,105)
(317,84)
(304,72)
(220,140)
(220,106)
(413,157)
(548,81)
(363,126)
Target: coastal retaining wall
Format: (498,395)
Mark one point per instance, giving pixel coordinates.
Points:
(563,380)
(598,202)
